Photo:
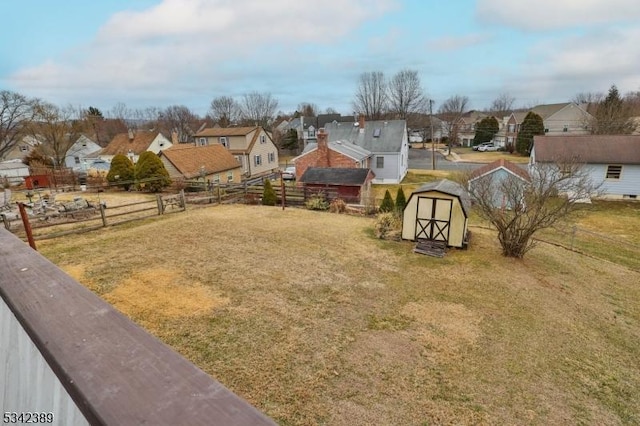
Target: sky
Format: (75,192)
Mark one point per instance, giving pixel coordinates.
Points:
(157,53)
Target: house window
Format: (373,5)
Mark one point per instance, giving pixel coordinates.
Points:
(216,178)
(263,139)
(614,172)
(312,131)
(202,141)
(229,176)
(257,160)
(272,157)
(546,130)
(380,162)
(565,128)
(223,141)
(512,128)
(77,160)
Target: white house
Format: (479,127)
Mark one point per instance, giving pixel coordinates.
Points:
(610,160)
(387,141)
(14,171)
(134,143)
(81,154)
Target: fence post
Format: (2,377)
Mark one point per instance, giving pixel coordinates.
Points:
(183,200)
(7,224)
(103,215)
(159,204)
(27,226)
(219,197)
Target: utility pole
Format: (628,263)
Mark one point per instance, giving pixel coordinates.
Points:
(433,143)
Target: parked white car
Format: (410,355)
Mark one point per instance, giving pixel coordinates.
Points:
(487,147)
(289,173)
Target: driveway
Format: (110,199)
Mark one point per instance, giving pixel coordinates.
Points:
(421,159)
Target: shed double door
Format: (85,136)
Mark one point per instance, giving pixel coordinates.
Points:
(433,219)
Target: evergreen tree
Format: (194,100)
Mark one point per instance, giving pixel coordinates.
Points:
(290,139)
(121,172)
(486,129)
(269,197)
(150,172)
(401,201)
(387,203)
(613,116)
(532,125)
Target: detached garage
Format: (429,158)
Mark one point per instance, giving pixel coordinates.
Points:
(437,211)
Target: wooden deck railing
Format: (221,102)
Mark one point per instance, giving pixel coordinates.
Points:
(65,351)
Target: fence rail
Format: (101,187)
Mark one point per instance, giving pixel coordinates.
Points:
(54,224)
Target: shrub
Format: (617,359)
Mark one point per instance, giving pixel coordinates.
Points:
(317,202)
(269,197)
(338,206)
(401,202)
(150,172)
(388,226)
(121,172)
(387,203)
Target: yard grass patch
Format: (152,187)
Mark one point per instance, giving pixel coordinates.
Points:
(314,321)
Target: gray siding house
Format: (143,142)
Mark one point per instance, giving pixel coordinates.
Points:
(386,140)
(612,160)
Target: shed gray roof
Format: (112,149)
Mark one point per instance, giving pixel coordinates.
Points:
(590,149)
(390,137)
(447,186)
(335,176)
(346,148)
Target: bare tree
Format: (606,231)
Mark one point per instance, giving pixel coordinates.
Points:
(519,210)
(613,116)
(225,110)
(308,109)
(502,105)
(258,108)
(451,111)
(58,128)
(16,111)
(180,120)
(588,98)
(406,94)
(371,95)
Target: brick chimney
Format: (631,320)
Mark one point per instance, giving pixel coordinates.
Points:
(361,123)
(131,135)
(323,149)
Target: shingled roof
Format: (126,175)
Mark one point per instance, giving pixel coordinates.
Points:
(500,164)
(378,136)
(122,144)
(225,131)
(450,187)
(335,176)
(189,159)
(591,149)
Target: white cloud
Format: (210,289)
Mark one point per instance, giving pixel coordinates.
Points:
(552,14)
(587,63)
(458,43)
(179,46)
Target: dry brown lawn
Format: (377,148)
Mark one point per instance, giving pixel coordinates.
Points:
(314,321)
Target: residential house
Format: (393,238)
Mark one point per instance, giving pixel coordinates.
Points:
(467,127)
(253,147)
(513,127)
(13,172)
(501,180)
(564,118)
(22,149)
(337,154)
(81,154)
(133,143)
(213,163)
(387,141)
(349,184)
(612,160)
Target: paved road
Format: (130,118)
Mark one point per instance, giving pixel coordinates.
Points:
(421,159)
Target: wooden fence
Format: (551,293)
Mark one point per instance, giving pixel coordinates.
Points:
(68,220)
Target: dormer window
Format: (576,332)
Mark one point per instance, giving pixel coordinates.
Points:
(223,141)
(263,139)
